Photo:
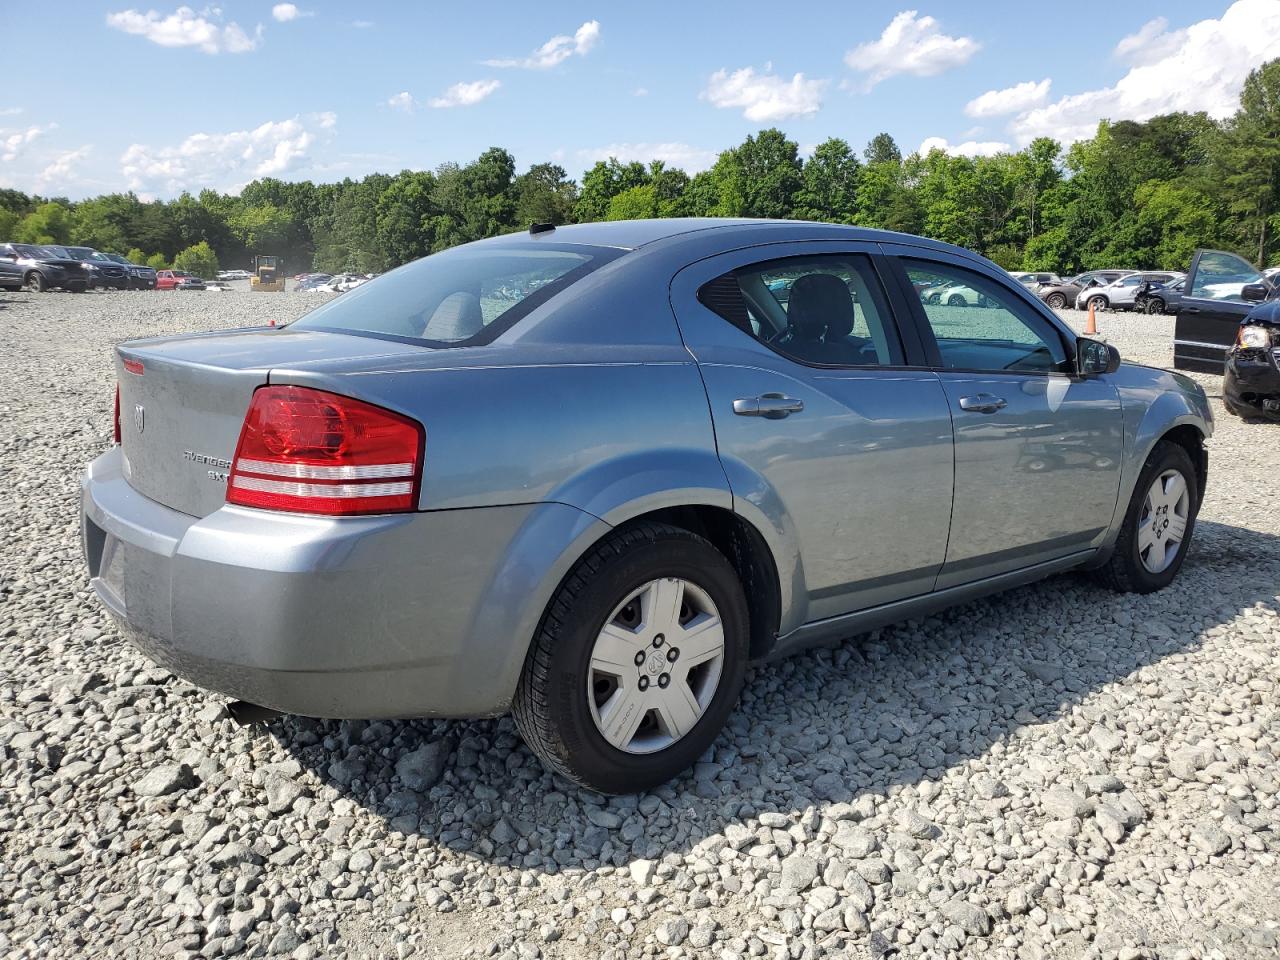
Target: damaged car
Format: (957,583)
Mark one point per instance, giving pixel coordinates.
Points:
(1251,381)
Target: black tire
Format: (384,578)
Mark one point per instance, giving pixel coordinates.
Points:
(1124,572)
(1056,300)
(1155,305)
(35,282)
(956,300)
(1098,303)
(551,706)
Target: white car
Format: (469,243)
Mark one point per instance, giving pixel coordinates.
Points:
(343,282)
(234,275)
(1119,295)
(954,295)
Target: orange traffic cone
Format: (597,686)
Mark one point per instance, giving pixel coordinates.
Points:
(1091,328)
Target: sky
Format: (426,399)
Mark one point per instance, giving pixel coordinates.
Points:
(169,98)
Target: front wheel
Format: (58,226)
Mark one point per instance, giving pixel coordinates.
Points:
(1097,303)
(1158,524)
(1155,305)
(637,662)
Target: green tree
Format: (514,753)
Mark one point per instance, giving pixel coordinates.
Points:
(157,261)
(829,189)
(544,194)
(638,203)
(1247,162)
(602,183)
(47,223)
(135,255)
(198,259)
(882,149)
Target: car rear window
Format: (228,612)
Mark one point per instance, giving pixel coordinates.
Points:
(461,297)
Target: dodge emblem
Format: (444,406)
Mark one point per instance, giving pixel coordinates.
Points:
(139,417)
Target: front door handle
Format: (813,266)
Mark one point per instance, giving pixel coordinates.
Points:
(982,403)
(774,406)
(1189,310)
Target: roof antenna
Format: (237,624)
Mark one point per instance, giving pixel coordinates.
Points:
(537,228)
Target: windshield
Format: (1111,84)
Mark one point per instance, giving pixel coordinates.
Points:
(467,295)
(84,253)
(60,252)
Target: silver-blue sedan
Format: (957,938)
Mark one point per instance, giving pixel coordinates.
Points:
(586,474)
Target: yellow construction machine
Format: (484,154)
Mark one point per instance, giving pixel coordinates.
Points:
(268,275)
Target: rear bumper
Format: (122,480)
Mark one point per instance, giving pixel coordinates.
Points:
(1251,383)
(390,616)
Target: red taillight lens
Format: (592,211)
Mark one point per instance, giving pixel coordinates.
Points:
(310,451)
(116,435)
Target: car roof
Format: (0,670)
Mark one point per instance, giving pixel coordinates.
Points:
(634,234)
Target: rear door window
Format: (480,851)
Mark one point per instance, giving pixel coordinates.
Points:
(825,310)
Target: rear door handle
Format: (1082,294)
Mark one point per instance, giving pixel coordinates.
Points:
(983,403)
(1190,310)
(774,406)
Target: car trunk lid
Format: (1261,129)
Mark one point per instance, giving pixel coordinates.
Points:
(183,402)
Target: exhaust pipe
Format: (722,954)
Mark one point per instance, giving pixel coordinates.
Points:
(245,714)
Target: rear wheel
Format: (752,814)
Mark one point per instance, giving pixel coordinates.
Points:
(638,661)
(1056,300)
(1158,524)
(35,282)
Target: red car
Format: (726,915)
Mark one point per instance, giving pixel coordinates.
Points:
(177,279)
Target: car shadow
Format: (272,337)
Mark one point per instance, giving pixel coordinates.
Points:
(869,715)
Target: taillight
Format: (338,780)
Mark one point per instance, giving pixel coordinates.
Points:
(116,435)
(310,451)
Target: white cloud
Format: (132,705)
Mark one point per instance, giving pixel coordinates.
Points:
(13,144)
(466,94)
(61,172)
(1203,68)
(284,12)
(556,50)
(223,160)
(640,92)
(185,28)
(764,96)
(1015,99)
(970,148)
(910,44)
(683,155)
(1153,41)
(402,101)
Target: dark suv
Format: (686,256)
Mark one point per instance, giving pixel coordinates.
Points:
(104,272)
(41,268)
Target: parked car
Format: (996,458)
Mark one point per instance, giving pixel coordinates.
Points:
(343,282)
(731,482)
(1251,381)
(954,295)
(234,275)
(1221,290)
(141,277)
(1165,297)
(1060,295)
(1120,294)
(104,272)
(177,280)
(1034,279)
(40,268)
(314,282)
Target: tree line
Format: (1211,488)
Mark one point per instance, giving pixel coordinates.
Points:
(1137,194)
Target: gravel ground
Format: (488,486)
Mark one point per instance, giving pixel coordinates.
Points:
(1055,772)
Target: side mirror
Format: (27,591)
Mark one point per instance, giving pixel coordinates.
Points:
(1255,292)
(1093,357)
